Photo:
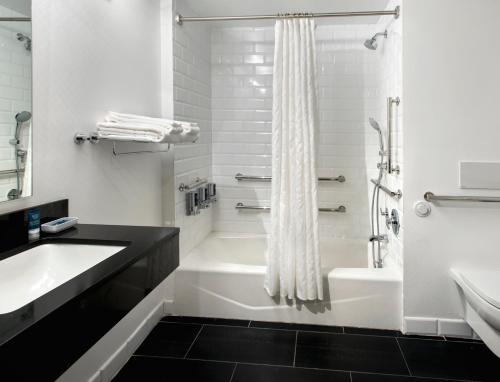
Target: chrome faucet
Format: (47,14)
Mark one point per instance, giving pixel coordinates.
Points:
(380,238)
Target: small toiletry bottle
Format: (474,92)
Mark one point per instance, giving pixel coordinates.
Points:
(34,224)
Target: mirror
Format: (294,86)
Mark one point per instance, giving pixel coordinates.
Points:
(15,99)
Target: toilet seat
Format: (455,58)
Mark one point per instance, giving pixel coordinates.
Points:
(481,302)
(485,283)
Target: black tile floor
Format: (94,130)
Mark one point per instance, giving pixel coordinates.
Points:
(222,350)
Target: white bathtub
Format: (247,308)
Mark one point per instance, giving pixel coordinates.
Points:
(224,277)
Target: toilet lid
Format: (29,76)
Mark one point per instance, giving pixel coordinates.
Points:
(485,283)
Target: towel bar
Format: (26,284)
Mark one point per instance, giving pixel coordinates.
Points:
(241,206)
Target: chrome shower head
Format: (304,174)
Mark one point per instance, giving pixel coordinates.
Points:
(22,117)
(372,43)
(377,128)
(21,37)
(374,124)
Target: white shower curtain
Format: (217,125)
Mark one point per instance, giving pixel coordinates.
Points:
(293,260)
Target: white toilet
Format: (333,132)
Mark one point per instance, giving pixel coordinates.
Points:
(481,297)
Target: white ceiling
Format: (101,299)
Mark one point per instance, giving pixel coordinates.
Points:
(254,7)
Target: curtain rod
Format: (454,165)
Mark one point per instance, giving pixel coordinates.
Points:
(15,19)
(181,19)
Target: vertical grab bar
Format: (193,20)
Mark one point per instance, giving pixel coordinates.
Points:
(390,102)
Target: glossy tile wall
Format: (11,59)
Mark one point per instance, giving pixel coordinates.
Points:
(349,93)
(15,92)
(192,92)
(389,55)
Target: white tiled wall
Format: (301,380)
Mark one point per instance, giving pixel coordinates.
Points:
(15,93)
(390,55)
(192,91)
(350,92)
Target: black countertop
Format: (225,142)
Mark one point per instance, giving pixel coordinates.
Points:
(138,240)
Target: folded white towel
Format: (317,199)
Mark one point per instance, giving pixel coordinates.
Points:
(121,117)
(130,127)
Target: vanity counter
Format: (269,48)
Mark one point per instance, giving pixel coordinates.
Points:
(65,322)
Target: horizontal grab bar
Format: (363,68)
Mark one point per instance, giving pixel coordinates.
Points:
(241,206)
(256,178)
(430,197)
(10,172)
(393,194)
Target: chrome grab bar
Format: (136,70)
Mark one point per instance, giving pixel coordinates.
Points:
(256,178)
(393,194)
(241,206)
(10,172)
(390,102)
(430,197)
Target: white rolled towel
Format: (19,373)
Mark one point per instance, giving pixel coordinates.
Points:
(131,127)
(122,117)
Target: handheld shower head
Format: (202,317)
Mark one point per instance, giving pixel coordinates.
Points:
(377,128)
(22,117)
(27,41)
(374,124)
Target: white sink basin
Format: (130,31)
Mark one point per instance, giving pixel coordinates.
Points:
(30,274)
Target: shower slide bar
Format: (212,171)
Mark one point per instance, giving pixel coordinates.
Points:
(254,178)
(182,19)
(241,206)
(430,197)
(393,194)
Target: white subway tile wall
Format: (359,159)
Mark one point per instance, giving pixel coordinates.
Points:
(15,94)
(192,92)
(391,79)
(226,85)
(349,92)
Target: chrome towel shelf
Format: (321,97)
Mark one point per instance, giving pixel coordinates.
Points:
(430,197)
(241,206)
(80,138)
(393,194)
(254,178)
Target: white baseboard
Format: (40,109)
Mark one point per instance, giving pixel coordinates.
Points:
(435,326)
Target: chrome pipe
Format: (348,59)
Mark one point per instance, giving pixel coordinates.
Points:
(254,178)
(181,19)
(393,194)
(430,197)
(241,206)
